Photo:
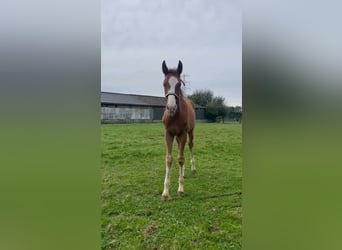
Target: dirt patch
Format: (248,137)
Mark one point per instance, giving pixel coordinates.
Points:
(150,229)
(213,228)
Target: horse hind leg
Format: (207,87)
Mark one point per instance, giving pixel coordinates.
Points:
(191,147)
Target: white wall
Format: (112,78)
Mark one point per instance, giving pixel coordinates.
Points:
(125,114)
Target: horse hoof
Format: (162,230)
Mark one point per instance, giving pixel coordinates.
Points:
(180,193)
(165,198)
(194,171)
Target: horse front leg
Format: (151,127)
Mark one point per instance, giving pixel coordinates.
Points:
(181,144)
(168,161)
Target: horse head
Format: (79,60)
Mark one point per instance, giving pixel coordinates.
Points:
(172,87)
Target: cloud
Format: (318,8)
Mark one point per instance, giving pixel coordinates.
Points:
(137,35)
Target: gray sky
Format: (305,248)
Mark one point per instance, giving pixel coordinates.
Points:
(137,35)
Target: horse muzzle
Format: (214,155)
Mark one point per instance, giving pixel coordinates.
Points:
(171,109)
(171,104)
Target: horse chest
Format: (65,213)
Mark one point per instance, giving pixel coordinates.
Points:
(174,127)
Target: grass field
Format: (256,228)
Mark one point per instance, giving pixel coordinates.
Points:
(208,216)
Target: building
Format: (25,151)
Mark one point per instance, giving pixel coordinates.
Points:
(116,108)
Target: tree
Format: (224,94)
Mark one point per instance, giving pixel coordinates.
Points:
(235,113)
(220,107)
(214,105)
(211,112)
(202,97)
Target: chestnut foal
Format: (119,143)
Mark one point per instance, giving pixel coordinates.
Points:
(179,121)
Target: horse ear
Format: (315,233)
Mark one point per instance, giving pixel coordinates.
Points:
(179,68)
(165,69)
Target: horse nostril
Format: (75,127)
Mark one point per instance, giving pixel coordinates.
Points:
(171,109)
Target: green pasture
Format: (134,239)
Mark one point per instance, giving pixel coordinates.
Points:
(133,216)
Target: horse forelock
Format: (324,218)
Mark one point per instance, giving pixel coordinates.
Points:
(173,72)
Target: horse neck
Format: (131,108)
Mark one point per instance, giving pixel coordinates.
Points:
(181,101)
(181,106)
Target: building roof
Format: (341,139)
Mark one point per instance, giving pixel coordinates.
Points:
(132,99)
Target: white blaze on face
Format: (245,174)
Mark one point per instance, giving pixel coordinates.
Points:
(171,100)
